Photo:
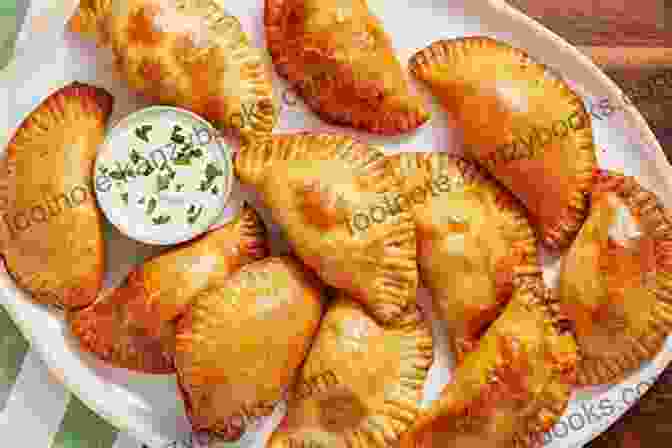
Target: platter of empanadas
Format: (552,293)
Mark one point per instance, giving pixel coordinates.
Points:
(333,224)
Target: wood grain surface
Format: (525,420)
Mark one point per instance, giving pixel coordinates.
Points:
(631,40)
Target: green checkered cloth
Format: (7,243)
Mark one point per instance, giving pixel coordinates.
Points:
(36,411)
(9,28)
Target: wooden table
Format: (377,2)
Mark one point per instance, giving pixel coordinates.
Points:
(632,41)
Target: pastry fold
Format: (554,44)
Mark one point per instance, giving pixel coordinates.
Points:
(331,195)
(527,127)
(510,390)
(52,231)
(133,325)
(241,343)
(474,241)
(338,56)
(361,384)
(616,280)
(187,53)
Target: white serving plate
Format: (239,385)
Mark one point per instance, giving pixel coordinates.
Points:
(147,405)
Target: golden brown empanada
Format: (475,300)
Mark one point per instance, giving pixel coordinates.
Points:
(331,195)
(529,129)
(133,326)
(52,234)
(616,280)
(188,53)
(342,62)
(361,384)
(512,389)
(474,241)
(241,343)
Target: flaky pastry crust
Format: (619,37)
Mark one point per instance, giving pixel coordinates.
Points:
(618,293)
(133,326)
(188,53)
(52,234)
(322,189)
(338,56)
(527,127)
(510,390)
(241,343)
(474,241)
(361,384)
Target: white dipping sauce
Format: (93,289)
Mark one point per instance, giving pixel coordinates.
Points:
(162,176)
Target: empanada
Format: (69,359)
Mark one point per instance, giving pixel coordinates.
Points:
(361,384)
(343,64)
(241,343)
(513,388)
(331,195)
(52,234)
(133,326)
(616,280)
(188,53)
(528,128)
(474,241)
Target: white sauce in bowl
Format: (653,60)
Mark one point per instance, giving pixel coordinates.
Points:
(162,176)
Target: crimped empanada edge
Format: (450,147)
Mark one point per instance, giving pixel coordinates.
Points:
(74,101)
(553,398)
(145,73)
(560,234)
(657,222)
(376,122)
(385,428)
(255,159)
(433,164)
(233,427)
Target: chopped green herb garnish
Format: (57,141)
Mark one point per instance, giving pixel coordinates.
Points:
(149,170)
(142,131)
(192,219)
(211,171)
(214,190)
(103,170)
(142,200)
(161,219)
(175,137)
(191,209)
(135,157)
(162,182)
(151,206)
(178,187)
(182,159)
(124,197)
(117,175)
(130,172)
(196,153)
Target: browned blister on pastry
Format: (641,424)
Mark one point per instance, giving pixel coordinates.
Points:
(188,53)
(52,234)
(616,280)
(361,384)
(474,241)
(342,62)
(331,195)
(241,343)
(510,390)
(133,326)
(527,127)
